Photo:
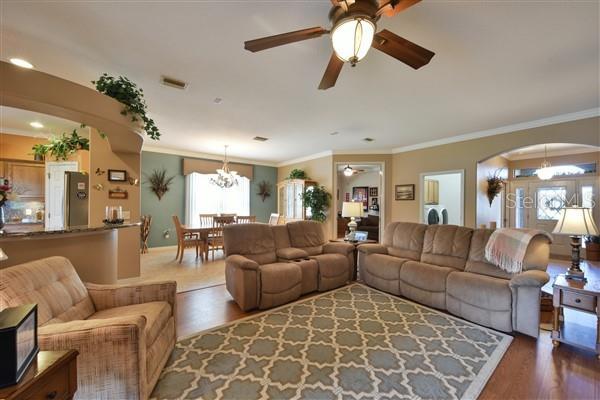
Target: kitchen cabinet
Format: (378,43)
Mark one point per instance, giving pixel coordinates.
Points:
(289,198)
(26,178)
(431,191)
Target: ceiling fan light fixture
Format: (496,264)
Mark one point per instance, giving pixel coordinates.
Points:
(352,38)
(348,171)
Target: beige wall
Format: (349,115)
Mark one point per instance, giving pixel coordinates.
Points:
(320,170)
(464,155)
(487,213)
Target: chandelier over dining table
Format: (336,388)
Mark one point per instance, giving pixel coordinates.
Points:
(225,177)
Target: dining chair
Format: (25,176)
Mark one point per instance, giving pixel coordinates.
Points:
(215,239)
(245,219)
(274,219)
(207,219)
(146,221)
(186,240)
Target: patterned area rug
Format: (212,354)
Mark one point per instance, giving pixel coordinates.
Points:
(354,342)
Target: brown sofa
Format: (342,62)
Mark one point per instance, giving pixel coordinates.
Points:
(270,265)
(124,334)
(369,224)
(443,266)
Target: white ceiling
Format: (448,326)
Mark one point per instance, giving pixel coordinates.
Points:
(17,121)
(496,64)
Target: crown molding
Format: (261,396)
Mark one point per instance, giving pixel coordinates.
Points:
(306,158)
(207,156)
(358,151)
(514,128)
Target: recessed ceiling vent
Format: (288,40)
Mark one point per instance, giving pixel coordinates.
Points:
(176,83)
(368,139)
(260,139)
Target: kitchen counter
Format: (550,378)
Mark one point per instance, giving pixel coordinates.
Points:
(27,230)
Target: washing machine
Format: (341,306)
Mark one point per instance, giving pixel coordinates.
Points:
(435,214)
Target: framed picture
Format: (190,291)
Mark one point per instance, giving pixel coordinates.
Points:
(373,191)
(118,194)
(405,192)
(117,175)
(361,193)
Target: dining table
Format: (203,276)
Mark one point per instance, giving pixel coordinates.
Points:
(203,232)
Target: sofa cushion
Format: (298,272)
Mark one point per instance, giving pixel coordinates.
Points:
(384,266)
(404,239)
(425,276)
(291,253)
(307,235)
(279,277)
(281,236)
(253,241)
(446,245)
(481,299)
(53,284)
(157,313)
(310,275)
(334,270)
(536,256)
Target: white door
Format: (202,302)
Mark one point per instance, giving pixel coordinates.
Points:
(55,192)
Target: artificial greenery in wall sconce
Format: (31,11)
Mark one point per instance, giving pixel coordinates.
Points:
(127,93)
(317,198)
(264,190)
(495,184)
(61,147)
(297,174)
(159,183)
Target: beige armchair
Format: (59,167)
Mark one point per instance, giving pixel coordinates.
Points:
(124,334)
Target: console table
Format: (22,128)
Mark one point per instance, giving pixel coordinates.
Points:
(52,376)
(580,296)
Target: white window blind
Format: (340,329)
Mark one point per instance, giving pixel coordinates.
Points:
(202,197)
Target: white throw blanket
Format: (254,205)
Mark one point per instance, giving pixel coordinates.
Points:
(507,247)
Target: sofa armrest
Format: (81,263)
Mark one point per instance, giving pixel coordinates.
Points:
(338,247)
(111,296)
(112,354)
(241,262)
(372,248)
(291,253)
(531,278)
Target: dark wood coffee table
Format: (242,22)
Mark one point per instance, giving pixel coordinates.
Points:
(355,243)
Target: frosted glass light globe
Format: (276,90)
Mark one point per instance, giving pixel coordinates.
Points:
(352,39)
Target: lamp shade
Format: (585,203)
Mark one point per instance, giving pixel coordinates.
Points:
(352,209)
(3,256)
(352,38)
(576,221)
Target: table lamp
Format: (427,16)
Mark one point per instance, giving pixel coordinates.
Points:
(352,209)
(575,222)
(3,256)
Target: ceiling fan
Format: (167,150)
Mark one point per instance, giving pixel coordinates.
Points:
(354,23)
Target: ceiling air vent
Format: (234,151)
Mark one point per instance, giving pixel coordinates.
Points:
(260,139)
(368,139)
(176,83)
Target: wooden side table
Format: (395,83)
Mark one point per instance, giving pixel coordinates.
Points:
(581,296)
(52,376)
(356,243)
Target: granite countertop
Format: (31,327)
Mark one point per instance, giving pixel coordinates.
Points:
(31,230)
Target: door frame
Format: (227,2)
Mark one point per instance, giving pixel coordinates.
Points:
(382,199)
(422,176)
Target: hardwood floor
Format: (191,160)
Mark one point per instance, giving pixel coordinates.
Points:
(530,369)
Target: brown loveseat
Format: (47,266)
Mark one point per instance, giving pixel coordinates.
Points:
(443,266)
(124,334)
(267,266)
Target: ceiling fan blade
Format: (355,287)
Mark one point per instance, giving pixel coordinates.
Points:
(331,72)
(402,49)
(393,7)
(284,38)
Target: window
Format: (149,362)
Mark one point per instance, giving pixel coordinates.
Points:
(550,201)
(559,170)
(587,196)
(520,208)
(202,197)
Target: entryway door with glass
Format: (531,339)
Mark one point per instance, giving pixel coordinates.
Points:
(537,205)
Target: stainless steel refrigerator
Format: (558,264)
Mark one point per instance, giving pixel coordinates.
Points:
(76,198)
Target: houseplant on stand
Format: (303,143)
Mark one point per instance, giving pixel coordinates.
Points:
(317,199)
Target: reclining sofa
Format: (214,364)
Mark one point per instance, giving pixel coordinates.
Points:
(270,265)
(443,266)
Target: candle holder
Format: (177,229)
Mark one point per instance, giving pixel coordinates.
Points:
(113,215)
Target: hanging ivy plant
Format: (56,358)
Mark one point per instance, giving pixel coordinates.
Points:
(127,93)
(61,147)
(318,199)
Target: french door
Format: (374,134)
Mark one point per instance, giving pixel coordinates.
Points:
(537,205)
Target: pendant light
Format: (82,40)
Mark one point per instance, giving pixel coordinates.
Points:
(225,178)
(545,172)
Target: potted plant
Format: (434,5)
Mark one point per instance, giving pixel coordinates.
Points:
(317,199)
(39,151)
(495,184)
(297,174)
(592,248)
(61,147)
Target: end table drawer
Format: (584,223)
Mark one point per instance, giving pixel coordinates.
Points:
(53,387)
(581,301)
